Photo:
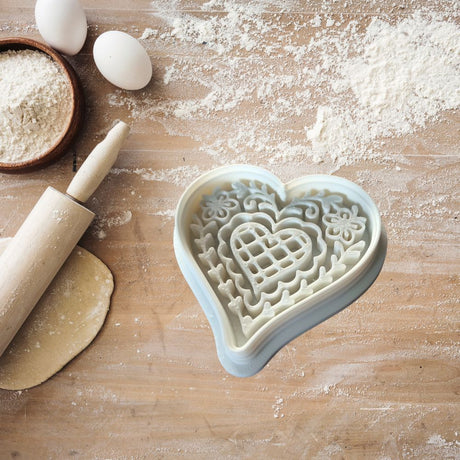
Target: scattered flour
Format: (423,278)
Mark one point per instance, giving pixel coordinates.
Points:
(104,222)
(403,76)
(438,447)
(438,441)
(149,33)
(278,407)
(341,92)
(168,213)
(180,176)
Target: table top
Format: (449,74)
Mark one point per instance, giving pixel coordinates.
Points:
(326,88)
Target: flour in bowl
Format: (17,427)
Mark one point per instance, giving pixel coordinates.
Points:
(35,105)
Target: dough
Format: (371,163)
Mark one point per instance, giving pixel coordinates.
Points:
(63,323)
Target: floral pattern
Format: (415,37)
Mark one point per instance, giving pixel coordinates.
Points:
(219,206)
(344,225)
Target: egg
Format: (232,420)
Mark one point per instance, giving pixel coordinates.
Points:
(62,24)
(122,60)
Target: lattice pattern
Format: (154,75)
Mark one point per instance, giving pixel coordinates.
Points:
(265,257)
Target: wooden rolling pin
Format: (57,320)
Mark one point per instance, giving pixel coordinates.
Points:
(48,236)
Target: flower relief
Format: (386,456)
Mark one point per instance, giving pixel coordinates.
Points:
(219,206)
(344,226)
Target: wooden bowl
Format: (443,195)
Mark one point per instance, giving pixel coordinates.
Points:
(77,106)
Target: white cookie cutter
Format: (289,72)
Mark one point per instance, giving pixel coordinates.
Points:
(244,355)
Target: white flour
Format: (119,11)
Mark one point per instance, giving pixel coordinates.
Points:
(402,76)
(180,176)
(34,105)
(285,89)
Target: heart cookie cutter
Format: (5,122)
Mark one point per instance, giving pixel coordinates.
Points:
(268,261)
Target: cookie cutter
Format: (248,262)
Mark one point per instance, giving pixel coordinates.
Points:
(268,261)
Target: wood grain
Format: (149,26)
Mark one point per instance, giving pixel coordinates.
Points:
(379,380)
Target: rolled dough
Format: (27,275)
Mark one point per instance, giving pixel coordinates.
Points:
(63,323)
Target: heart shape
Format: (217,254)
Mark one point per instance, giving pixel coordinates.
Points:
(267,258)
(268,261)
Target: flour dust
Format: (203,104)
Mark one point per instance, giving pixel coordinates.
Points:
(276,88)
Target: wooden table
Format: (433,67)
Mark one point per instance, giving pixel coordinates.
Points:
(378,380)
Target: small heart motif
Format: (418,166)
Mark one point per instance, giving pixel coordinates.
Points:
(268,261)
(267,258)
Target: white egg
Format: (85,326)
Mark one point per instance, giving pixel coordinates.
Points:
(62,24)
(122,60)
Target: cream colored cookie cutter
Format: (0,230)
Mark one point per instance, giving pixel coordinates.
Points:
(267,261)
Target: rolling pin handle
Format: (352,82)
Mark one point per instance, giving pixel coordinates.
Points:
(98,164)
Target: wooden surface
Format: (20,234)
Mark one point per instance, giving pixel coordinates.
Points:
(378,380)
